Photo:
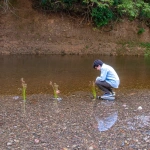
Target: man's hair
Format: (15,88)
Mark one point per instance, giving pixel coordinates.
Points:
(97,63)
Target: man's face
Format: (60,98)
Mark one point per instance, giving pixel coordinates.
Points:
(98,68)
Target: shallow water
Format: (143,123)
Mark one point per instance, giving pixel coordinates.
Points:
(71,72)
(102,122)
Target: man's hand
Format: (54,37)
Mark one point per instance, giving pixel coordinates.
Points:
(98,78)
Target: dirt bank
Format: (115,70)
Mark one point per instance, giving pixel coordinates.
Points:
(26,31)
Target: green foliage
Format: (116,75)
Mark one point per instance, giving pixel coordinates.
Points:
(100,12)
(100,3)
(127,7)
(55,89)
(101,15)
(57,5)
(141,30)
(134,9)
(93,88)
(24,86)
(147,53)
(69,2)
(144,9)
(147,48)
(116,2)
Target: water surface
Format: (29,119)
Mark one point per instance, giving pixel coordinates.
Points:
(71,72)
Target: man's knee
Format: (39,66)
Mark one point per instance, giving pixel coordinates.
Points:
(98,82)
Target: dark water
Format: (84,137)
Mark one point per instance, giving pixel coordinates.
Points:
(72,73)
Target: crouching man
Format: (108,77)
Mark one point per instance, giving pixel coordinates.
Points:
(107,80)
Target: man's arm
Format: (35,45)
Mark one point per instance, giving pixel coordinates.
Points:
(103,74)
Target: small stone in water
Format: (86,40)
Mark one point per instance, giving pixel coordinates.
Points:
(65,148)
(16,97)
(91,148)
(36,140)
(139,108)
(124,105)
(9,143)
(59,99)
(17,141)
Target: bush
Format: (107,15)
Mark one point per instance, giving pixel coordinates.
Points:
(101,16)
(101,12)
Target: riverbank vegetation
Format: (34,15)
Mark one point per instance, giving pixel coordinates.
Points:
(132,44)
(99,12)
(147,48)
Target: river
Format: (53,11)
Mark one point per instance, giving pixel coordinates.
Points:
(71,72)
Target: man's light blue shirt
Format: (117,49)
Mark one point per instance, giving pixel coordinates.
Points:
(109,75)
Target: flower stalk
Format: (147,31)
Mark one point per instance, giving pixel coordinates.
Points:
(93,89)
(24,87)
(55,89)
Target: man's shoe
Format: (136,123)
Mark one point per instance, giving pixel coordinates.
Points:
(106,95)
(98,97)
(113,94)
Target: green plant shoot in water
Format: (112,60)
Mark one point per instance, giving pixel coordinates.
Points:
(93,88)
(24,86)
(55,89)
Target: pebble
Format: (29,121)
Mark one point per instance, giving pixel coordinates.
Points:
(147,141)
(17,141)
(36,140)
(145,138)
(126,142)
(136,140)
(16,97)
(124,105)
(139,108)
(59,99)
(91,148)
(9,143)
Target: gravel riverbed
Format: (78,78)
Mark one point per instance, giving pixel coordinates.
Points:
(76,122)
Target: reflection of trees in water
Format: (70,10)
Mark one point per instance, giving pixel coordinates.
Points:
(105,114)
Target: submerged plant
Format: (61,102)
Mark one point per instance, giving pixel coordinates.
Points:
(55,89)
(24,87)
(93,88)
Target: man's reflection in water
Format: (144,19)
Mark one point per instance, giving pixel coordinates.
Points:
(107,122)
(106,115)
